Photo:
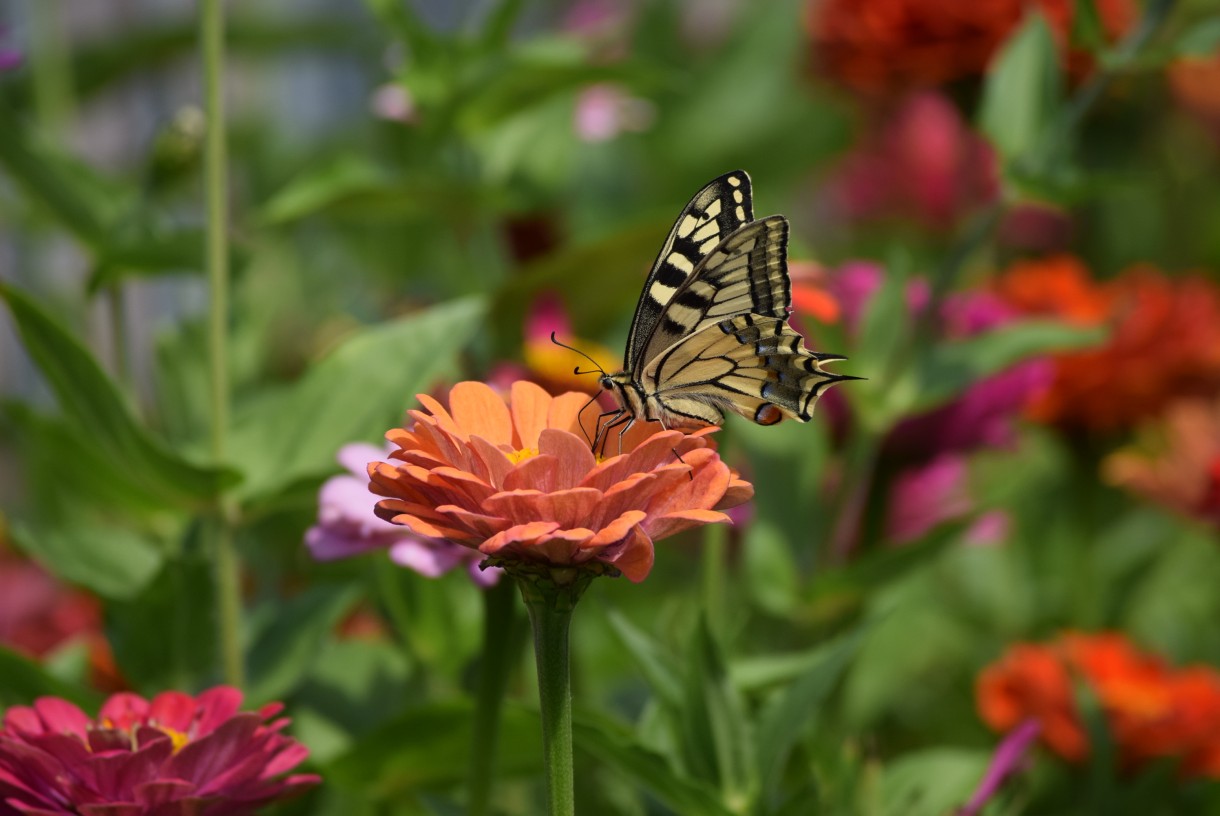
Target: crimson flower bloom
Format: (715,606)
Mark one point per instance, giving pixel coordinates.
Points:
(519,483)
(177,755)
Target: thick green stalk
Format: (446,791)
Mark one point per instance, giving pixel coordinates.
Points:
(551,596)
(215,162)
(52,69)
(500,643)
(715,554)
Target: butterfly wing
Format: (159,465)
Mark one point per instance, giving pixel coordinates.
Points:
(717,210)
(747,273)
(753,365)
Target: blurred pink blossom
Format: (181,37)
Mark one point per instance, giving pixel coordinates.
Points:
(347,525)
(394,102)
(605,110)
(1010,758)
(925,496)
(10,58)
(923,164)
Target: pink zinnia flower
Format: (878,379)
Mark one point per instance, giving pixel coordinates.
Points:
(519,482)
(605,110)
(177,755)
(348,526)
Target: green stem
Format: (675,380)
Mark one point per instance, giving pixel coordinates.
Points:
(499,651)
(118,336)
(550,599)
(226,563)
(51,61)
(715,586)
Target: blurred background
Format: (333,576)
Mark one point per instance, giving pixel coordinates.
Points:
(1003,212)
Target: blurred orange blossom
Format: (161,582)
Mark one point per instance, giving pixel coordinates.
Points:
(519,483)
(1152,710)
(1164,340)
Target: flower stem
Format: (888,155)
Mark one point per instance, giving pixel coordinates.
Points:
(52,69)
(226,564)
(500,641)
(550,601)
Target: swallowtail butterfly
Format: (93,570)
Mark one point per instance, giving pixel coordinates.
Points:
(711,333)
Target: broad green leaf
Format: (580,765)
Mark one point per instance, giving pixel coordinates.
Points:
(67,190)
(953,366)
(796,708)
(281,654)
(1200,40)
(1022,91)
(770,567)
(322,187)
(359,391)
(112,562)
(90,400)
(429,747)
(166,636)
(611,744)
(22,681)
(932,782)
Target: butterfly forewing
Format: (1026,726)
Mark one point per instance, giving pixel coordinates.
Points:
(746,273)
(717,210)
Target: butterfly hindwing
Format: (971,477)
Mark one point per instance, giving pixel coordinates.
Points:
(747,273)
(743,364)
(722,206)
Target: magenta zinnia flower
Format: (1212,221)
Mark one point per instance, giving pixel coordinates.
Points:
(177,755)
(519,483)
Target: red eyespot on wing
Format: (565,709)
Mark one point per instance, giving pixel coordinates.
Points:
(768,414)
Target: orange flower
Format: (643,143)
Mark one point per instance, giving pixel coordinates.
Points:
(1164,341)
(518,482)
(1177,462)
(1152,710)
(883,46)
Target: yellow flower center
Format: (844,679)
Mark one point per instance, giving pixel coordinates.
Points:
(521,455)
(178,738)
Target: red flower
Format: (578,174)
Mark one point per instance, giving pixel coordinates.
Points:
(882,46)
(519,482)
(1152,710)
(174,756)
(1164,341)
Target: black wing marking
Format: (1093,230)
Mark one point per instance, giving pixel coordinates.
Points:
(747,273)
(722,206)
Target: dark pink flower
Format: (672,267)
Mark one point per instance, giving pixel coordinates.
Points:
(177,755)
(922,164)
(925,496)
(348,526)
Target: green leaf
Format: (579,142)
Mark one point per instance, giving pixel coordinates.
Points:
(346,176)
(1087,29)
(429,747)
(770,567)
(652,658)
(25,681)
(166,636)
(611,744)
(795,711)
(1022,91)
(356,393)
(953,366)
(715,733)
(283,651)
(112,562)
(67,190)
(90,400)
(932,782)
(1200,40)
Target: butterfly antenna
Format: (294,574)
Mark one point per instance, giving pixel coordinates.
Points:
(599,369)
(581,413)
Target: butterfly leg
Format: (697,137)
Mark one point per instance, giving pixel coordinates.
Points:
(602,430)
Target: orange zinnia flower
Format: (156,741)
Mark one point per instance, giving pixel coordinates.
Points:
(882,46)
(1177,462)
(1152,710)
(1164,341)
(519,483)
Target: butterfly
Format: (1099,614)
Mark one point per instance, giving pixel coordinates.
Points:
(710,334)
